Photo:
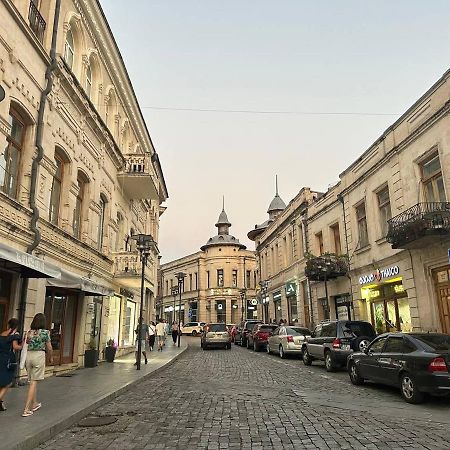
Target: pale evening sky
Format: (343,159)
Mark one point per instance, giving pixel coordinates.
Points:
(287,55)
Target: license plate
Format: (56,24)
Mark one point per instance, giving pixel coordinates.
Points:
(345,347)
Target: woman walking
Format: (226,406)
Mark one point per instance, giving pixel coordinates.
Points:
(38,341)
(9,342)
(151,335)
(174,332)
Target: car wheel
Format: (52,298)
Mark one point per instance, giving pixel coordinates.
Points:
(307,360)
(281,352)
(329,364)
(228,346)
(354,375)
(409,390)
(194,333)
(359,344)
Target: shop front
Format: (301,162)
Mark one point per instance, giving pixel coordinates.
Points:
(291,296)
(252,308)
(221,310)
(277,306)
(343,306)
(193,311)
(386,300)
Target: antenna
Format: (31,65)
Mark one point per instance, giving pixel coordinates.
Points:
(276,184)
(223,202)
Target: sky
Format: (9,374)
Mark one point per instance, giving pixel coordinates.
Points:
(320,81)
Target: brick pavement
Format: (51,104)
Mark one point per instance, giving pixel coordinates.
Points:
(239,399)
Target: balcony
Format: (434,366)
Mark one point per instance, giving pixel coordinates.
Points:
(137,179)
(37,22)
(127,268)
(326,267)
(420,225)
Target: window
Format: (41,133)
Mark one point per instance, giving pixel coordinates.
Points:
(55,195)
(384,206)
(377,346)
(432,180)
(10,159)
(78,211)
(101,223)
(319,241)
(336,238)
(220,277)
(69,49)
(248,279)
(196,280)
(363,236)
(190,281)
(88,87)
(234,278)
(207,277)
(394,345)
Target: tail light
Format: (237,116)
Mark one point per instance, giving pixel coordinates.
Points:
(337,343)
(437,365)
(290,338)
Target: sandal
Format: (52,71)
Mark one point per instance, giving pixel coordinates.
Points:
(27,413)
(2,406)
(36,407)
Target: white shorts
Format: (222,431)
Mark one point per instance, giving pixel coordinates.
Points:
(142,345)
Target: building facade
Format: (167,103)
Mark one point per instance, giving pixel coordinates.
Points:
(78,177)
(376,244)
(219,283)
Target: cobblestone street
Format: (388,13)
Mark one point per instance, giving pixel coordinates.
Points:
(220,399)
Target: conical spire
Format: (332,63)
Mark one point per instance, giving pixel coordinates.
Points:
(277,204)
(223,224)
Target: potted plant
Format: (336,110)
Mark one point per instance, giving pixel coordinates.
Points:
(110,350)
(91,355)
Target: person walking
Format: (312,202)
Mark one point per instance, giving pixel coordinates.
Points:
(38,342)
(142,333)
(9,342)
(166,330)
(174,332)
(151,335)
(161,334)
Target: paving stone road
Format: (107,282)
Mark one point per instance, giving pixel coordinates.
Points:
(238,399)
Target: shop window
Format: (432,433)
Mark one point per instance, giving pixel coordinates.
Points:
(129,319)
(363,236)
(114,319)
(319,242)
(432,181)
(10,159)
(220,282)
(384,207)
(234,280)
(293,310)
(69,49)
(55,195)
(221,311)
(336,236)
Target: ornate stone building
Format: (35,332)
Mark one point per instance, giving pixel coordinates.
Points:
(219,283)
(79,175)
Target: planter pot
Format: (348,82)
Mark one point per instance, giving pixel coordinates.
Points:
(110,354)
(90,358)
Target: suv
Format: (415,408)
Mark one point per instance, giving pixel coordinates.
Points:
(215,335)
(243,329)
(333,341)
(193,328)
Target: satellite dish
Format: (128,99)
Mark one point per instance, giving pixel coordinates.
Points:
(2,94)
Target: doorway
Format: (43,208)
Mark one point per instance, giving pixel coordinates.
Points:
(442,283)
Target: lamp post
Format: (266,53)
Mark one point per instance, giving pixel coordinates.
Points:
(144,243)
(242,294)
(180,277)
(264,284)
(174,293)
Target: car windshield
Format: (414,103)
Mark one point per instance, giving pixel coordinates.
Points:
(267,328)
(439,342)
(215,327)
(297,331)
(357,329)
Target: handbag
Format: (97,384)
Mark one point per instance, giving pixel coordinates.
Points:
(23,353)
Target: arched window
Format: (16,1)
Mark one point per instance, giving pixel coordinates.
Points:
(55,195)
(10,159)
(101,222)
(78,210)
(88,86)
(69,49)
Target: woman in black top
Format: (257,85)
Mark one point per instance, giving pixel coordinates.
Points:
(9,342)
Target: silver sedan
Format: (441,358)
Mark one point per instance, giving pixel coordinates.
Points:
(286,340)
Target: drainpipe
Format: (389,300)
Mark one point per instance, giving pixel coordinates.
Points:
(37,160)
(308,284)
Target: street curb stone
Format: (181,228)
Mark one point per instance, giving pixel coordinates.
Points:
(40,437)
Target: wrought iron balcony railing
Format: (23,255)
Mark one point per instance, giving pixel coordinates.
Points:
(415,227)
(326,267)
(37,22)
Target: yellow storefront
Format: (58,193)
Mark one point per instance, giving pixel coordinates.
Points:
(386,300)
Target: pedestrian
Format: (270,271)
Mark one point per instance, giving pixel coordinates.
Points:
(9,342)
(142,333)
(38,342)
(166,330)
(174,332)
(161,334)
(151,335)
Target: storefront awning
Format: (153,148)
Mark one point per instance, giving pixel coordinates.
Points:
(70,280)
(28,266)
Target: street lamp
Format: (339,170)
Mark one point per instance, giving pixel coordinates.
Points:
(174,293)
(144,242)
(264,285)
(180,277)
(242,294)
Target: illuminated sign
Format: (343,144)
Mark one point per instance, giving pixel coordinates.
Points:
(378,275)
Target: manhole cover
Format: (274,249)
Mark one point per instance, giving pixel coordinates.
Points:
(97,421)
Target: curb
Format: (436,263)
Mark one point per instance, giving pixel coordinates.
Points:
(40,437)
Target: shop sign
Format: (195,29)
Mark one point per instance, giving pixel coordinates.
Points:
(290,288)
(253,302)
(379,275)
(126,293)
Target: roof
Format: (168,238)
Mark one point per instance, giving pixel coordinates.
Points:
(223,239)
(223,219)
(277,204)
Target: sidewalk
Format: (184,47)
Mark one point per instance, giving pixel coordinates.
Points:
(65,400)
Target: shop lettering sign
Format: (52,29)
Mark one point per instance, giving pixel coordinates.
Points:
(290,288)
(379,275)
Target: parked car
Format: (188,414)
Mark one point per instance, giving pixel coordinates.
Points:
(193,328)
(257,339)
(333,341)
(215,335)
(242,331)
(417,363)
(287,340)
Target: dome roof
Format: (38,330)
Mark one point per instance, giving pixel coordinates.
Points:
(223,239)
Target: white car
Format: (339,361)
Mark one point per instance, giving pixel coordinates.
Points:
(193,328)
(287,340)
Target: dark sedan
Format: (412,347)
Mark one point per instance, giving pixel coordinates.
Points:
(417,363)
